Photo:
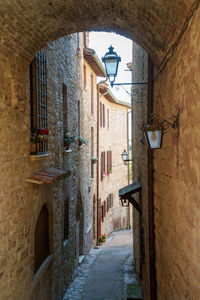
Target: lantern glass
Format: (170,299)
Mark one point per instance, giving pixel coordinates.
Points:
(154,138)
(124,155)
(111,61)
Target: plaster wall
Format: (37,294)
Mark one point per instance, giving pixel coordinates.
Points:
(114,138)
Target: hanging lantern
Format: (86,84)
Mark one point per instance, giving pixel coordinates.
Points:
(111,61)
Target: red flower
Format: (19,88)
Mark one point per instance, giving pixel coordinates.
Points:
(46,140)
(46,131)
(42,131)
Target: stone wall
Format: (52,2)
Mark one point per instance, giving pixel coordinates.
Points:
(21,202)
(139,104)
(176,170)
(88,182)
(177,176)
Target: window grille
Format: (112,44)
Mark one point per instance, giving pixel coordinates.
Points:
(38,98)
(42,245)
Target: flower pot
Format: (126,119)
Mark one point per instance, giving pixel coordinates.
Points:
(80,143)
(67,146)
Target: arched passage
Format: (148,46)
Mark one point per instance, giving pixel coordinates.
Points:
(27,27)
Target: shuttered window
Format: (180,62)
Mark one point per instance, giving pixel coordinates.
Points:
(84,76)
(103,164)
(104,120)
(42,244)
(92,94)
(109,162)
(38,102)
(108,118)
(102,213)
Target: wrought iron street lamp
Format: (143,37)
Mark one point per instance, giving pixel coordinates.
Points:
(111,61)
(155,127)
(125,157)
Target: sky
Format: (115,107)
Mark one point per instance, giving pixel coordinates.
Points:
(100,41)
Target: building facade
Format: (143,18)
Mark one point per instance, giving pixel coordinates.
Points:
(113,174)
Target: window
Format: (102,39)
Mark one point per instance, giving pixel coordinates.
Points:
(92,151)
(92,94)
(109,162)
(66,219)
(42,245)
(101,123)
(104,121)
(84,76)
(108,117)
(103,164)
(102,213)
(38,100)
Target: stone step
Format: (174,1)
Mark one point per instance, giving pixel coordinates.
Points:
(133,291)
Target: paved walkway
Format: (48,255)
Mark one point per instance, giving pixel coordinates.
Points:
(105,271)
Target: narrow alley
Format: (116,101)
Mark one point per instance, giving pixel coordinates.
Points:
(105,271)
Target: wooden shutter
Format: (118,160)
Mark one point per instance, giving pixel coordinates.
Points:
(103,115)
(101,165)
(42,249)
(108,162)
(107,204)
(110,159)
(104,162)
(100,114)
(104,208)
(108,117)
(102,213)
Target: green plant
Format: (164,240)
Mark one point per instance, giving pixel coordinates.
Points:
(81,141)
(68,138)
(39,135)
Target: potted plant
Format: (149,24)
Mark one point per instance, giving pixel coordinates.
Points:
(105,174)
(101,239)
(68,140)
(110,171)
(94,159)
(38,135)
(81,141)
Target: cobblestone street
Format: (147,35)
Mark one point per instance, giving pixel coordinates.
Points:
(105,271)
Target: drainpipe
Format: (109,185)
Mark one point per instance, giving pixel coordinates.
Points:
(101,82)
(152,267)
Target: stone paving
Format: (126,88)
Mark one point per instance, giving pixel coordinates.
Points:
(105,271)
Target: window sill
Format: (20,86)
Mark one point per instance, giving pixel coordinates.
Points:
(38,275)
(67,151)
(34,157)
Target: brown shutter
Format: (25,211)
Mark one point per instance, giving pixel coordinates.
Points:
(104,162)
(108,117)
(100,114)
(101,165)
(103,115)
(108,162)
(110,159)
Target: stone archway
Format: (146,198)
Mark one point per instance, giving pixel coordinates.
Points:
(28,27)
